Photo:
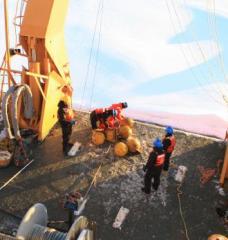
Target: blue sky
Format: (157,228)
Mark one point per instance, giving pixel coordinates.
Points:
(166,55)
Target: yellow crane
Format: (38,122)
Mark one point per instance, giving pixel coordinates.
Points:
(41,39)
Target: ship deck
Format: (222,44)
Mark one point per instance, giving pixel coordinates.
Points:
(157,216)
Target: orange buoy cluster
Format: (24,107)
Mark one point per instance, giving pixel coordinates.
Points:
(122,137)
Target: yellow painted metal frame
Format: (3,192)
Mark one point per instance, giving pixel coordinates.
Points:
(50,107)
(42,38)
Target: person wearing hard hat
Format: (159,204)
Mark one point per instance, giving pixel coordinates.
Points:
(66,120)
(169,143)
(154,166)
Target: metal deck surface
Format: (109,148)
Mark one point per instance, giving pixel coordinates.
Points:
(51,175)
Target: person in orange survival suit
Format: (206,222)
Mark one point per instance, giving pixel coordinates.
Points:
(154,166)
(97,118)
(169,143)
(66,120)
(119,107)
(111,120)
(100,118)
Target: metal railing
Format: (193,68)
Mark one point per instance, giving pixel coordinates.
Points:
(18,18)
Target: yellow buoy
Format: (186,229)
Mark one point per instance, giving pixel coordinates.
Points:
(134,144)
(128,121)
(98,138)
(217,237)
(125,131)
(120,149)
(110,135)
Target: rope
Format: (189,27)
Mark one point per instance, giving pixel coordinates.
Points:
(97,56)
(91,184)
(27,97)
(185,57)
(5,102)
(211,75)
(95,176)
(84,83)
(179,193)
(213,23)
(194,36)
(15,92)
(12,178)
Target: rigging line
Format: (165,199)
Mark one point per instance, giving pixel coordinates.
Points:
(97,56)
(84,82)
(194,59)
(185,57)
(14,176)
(215,86)
(187,61)
(201,51)
(211,73)
(221,58)
(214,47)
(215,38)
(179,192)
(90,56)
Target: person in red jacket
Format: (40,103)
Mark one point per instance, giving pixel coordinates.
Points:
(169,143)
(103,118)
(119,107)
(97,118)
(154,166)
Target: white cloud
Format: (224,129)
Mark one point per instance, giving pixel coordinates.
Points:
(141,37)
(221,6)
(138,32)
(207,100)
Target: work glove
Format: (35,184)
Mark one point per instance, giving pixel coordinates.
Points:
(73,122)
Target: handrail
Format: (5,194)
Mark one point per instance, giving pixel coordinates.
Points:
(20,16)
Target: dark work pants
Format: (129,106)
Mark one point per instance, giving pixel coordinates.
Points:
(152,175)
(70,218)
(93,119)
(166,163)
(66,133)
